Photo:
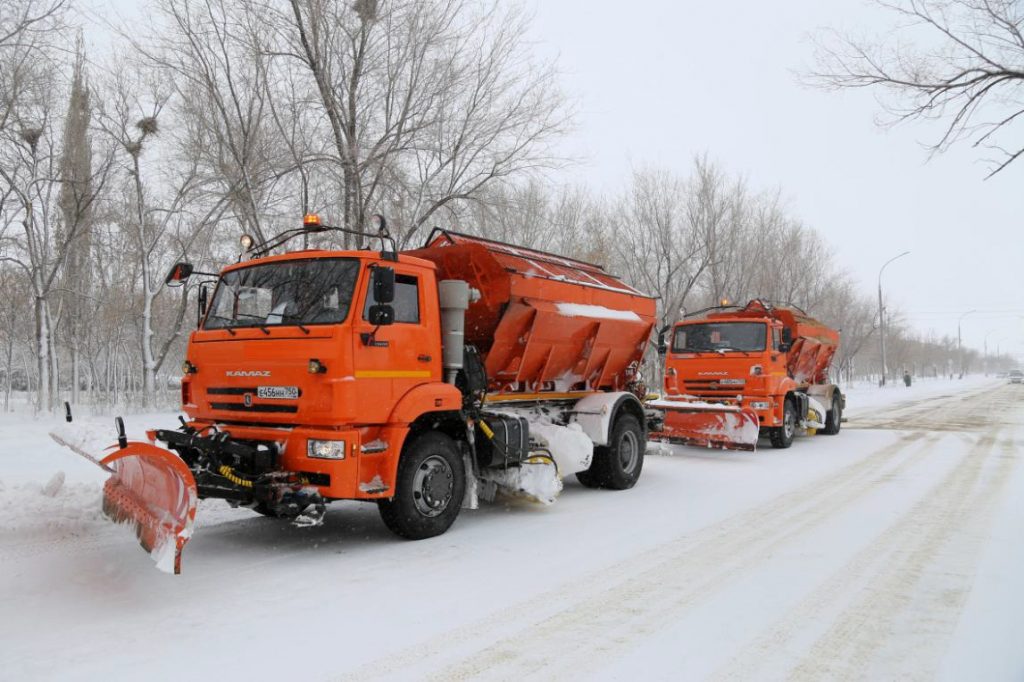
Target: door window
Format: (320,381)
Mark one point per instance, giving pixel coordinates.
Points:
(406,303)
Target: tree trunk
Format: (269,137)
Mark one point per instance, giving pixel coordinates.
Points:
(42,355)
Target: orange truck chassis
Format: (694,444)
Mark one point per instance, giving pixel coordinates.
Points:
(419,380)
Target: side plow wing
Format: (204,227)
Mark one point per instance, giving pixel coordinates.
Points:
(726,427)
(152,490)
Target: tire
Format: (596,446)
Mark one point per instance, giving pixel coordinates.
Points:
(834,417)
(429,488)
(782,436)
(617,466)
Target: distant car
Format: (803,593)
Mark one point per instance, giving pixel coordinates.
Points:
(1017,377)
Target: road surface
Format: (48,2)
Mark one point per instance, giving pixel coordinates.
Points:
(891,551)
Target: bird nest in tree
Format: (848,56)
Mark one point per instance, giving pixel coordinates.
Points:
(147,125)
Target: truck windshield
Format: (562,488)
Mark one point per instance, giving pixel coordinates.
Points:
(720,337)
(294,292)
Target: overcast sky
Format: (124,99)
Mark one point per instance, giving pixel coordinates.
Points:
(659,81)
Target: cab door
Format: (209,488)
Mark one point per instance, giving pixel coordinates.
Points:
(390,360)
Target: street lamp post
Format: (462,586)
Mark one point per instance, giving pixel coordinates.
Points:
(959,341)
(987,334)
(881,312)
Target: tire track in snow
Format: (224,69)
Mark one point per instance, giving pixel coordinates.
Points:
(884,573)
(958,412)
(610,608)
(965,499)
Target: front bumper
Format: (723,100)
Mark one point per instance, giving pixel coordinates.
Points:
(364,472)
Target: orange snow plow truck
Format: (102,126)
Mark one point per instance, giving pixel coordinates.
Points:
(732,374)
(420,380)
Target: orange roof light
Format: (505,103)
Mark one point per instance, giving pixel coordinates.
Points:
(311,220)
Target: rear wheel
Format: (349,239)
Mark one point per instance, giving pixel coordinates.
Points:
(617,465)
(429,488)
(834,417)
(782,436)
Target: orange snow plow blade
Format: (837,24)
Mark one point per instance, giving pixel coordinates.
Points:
(725,427)
(153,490)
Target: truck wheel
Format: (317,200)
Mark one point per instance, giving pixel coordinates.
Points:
(428,490)
(782,436)
(834,417)
(617,465)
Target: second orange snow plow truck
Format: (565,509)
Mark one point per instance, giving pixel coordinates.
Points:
(417,380)
(732,373)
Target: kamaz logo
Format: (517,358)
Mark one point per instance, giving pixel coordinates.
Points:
(713,374)
(248,373)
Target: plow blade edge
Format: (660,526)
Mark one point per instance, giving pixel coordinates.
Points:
(727,428)
(152,490)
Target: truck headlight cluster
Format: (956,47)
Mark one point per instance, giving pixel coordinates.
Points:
(326,449)
(759,405)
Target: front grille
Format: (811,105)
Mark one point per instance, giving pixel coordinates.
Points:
(229,390)
(713,387)
(257,407)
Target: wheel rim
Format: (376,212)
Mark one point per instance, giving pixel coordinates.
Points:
(789,423)
(432,486)
(629,451)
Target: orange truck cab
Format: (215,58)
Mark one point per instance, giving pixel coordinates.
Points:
(771,361)
(419,380)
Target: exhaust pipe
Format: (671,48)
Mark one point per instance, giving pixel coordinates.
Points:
(455,296)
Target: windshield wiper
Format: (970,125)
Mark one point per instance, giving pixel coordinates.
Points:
(225,327)
(261,327)
(723,351)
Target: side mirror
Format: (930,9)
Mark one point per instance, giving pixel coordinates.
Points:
(383,284)
(787,336)
(381,315)
(662,345)
(785,346)
(178,274)
(204,295)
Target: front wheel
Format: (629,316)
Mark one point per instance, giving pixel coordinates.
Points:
(834,417)
(617,465)
(429,488)
(782,436)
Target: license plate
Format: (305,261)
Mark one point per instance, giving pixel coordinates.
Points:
(278,392)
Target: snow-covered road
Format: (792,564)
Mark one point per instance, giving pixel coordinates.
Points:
(893,550)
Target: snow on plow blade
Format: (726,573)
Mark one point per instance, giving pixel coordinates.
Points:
(152,490)
(707,425)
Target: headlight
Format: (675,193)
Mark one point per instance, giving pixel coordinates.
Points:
(758,405)
(326,449)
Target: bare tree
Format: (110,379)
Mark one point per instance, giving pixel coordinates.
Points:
(426,103)
(960,62)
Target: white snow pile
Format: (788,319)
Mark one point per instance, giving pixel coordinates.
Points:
(536,481)
(685,405)
(570,448)
(56,508)
(595,311)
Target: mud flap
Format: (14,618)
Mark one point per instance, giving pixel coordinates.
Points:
(726,428)
(152,490)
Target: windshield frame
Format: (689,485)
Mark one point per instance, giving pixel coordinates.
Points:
(676,349)
(279,263)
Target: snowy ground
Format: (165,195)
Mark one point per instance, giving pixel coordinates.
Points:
(892,550)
